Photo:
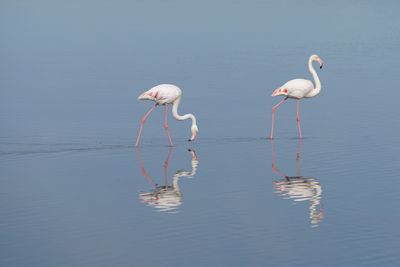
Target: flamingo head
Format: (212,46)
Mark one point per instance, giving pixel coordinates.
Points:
(280,91)
(194,130)
(318,59)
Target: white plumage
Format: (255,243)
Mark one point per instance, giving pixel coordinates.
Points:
(162,94)
(165,94)
(298,89)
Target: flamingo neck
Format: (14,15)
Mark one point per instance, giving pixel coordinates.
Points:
(184,117)
(317,88)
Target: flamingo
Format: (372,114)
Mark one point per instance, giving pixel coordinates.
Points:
(298,89)
(165,94)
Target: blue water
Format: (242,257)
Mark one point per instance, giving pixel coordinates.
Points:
(74,191)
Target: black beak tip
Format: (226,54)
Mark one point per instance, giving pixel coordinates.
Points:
(189,150)
(320,67)
(189,140)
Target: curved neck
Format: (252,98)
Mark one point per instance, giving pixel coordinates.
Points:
(184,117)
(317,88)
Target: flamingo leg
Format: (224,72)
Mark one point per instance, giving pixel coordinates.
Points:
(297,159)
(273,109)
(166,166)
(143,120)
(166,126)
(297,117)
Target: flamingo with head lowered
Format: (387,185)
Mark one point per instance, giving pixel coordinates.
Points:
(298,89)
(165,94)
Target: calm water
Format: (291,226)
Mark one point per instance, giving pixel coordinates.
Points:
(74,191)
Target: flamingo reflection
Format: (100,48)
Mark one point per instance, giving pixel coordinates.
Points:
(167,198)
(299,188)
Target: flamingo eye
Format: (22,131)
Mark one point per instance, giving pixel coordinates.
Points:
(285,91)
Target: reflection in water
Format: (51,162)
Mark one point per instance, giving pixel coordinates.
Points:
(167,198)
(300,188)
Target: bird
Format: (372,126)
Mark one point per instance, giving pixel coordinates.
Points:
(298,89)
(164,94)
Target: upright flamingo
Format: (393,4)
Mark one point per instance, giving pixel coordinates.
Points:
(165,94)
(298,89)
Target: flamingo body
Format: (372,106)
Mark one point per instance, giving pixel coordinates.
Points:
(298,89)
(162,94)
(165,94)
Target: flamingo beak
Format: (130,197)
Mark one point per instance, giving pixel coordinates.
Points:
(193,137)
(320,63)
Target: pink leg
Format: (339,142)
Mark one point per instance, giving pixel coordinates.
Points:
(166,126)
(166,166)
(143,120)
(297,117)
(273,109)
(297,159)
